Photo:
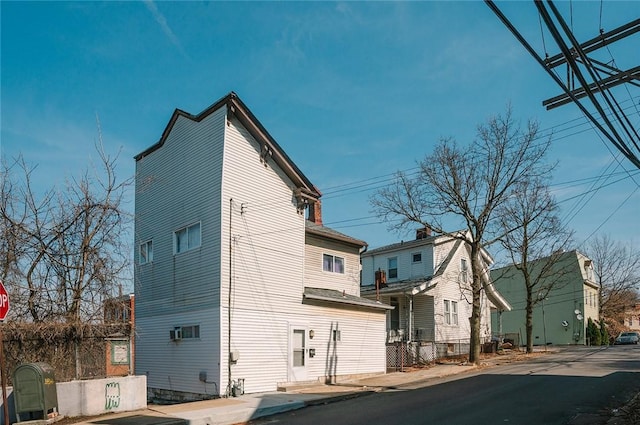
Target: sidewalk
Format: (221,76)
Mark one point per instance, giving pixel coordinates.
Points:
(227,411)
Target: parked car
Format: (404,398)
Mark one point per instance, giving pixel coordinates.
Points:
(627,338)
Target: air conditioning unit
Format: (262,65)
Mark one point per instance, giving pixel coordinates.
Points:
(175,334)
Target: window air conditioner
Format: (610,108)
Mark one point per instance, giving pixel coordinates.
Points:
(176,333)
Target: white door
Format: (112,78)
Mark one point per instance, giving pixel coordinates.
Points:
(298,353)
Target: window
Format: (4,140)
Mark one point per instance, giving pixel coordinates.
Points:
(331,263)
(451,312)
(336,335)
(146,252)
(464,270)
(417,257)
(191,331)
(393,268)
(187,238)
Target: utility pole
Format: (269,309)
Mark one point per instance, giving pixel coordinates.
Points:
(610,119)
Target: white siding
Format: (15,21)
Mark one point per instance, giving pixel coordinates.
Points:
(315,277)
(251,263)
(424,316)
(172,365)
(175,187)
(428,310)
(406,268)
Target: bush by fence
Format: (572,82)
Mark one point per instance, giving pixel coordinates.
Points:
(74,351)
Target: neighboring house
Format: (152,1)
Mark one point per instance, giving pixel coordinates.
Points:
(120,352)
(428,281)
(632,318)
(235,289)
(559,318)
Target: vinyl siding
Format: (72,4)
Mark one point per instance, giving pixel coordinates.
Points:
(177,186)
(248,272)
(316,277)
(423,316)
(267,261)
(174,365)
(428,309)
(569,293)
(264,340)
(361,348)
(406,268)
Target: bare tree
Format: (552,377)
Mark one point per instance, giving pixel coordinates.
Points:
(535,244)
(467,184)
(616,271)
(65,252)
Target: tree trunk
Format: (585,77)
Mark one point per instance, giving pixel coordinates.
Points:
(474,320)
(529,321)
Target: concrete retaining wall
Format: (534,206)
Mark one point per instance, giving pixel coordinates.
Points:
(94,397)
(98,396)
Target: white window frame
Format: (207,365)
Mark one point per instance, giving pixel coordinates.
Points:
(191,332)
(332,263)
(389,274)
(464,270)
(147,248)
(191,243)
(451,312)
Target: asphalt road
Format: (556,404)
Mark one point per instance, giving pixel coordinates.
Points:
(579,386)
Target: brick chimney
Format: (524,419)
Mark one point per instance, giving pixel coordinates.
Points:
(423,233)
(315,212)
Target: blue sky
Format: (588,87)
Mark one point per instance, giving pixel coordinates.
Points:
(353,91)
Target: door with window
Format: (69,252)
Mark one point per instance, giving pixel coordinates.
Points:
(298,353)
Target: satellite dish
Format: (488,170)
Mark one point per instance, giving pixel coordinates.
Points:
(576,311)
(579,317)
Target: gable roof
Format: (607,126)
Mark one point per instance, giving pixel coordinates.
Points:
(326,232)
(429,240)
(237,108)
(415,286)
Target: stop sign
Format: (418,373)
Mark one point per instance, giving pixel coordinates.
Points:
(4,302)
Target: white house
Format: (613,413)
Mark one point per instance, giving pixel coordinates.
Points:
(235,289)
(428,281)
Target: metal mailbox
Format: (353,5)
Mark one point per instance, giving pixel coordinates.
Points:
(34,391)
